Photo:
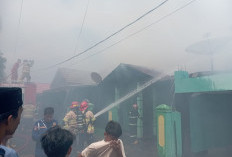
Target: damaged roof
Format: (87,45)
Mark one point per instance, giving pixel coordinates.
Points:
(127,72)
(72,77)
(145,70)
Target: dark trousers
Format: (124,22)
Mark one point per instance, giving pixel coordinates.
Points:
(90,138)
(82,140)
(132,129)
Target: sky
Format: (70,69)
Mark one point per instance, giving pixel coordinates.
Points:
(48,32)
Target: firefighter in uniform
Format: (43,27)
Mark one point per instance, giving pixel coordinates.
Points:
(81,125)
(70,123)
(70,119)
(133,118)
(14,71)
(27,64)
(89,119)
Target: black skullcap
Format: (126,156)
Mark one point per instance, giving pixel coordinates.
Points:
(10,99)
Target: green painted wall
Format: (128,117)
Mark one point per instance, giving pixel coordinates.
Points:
(209,114)
(169,142)
(210,121)
(216,82)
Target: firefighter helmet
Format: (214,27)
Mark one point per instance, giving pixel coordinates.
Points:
(135,106)
(75,104)
(84,105)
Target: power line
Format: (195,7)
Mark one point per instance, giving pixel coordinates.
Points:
(108,36)
(131,35)
(83,21)
(19,22)
(17,35)
(139,31)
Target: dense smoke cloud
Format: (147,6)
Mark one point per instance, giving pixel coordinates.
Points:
(48,33)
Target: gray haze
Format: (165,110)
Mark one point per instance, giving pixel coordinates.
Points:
(49,31)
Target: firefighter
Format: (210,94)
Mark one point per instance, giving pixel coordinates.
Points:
(70,123)
(81,124)
(14,71)
(90,105)
(133,118)
(70,119)
(89,119)
(27,64)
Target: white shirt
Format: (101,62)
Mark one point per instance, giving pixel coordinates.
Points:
(9,152)
(101,149)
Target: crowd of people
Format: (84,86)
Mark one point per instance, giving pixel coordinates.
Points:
(74,136)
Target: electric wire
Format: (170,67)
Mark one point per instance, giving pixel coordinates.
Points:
(83,21)
(18,28)
(127,37)
(139,31)
(110,106)
(158,6)
(17,35)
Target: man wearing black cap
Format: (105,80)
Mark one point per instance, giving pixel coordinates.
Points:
(10,114)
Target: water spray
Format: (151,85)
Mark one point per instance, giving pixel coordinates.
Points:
(137,90)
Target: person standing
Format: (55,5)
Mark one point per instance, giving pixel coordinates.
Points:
(70,123)
(70,119)
(81,124)
(133,118)
(110,146)
(27,64)
(41,127)
(89,119)
(10,115)
(14,71)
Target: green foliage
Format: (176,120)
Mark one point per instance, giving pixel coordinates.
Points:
(2,67)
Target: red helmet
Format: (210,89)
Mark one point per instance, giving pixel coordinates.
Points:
(74,104)
(135,105)
(84,105)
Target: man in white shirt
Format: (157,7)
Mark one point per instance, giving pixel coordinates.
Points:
(111,146)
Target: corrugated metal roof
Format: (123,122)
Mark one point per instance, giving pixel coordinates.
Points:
(71,77)
(127,72)
(142,69)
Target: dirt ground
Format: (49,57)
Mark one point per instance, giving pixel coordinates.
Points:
(24,145)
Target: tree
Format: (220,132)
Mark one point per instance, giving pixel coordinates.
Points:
(2,67)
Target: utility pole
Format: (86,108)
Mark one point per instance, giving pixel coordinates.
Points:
(210,51)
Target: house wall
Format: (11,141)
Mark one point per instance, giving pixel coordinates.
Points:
(210,121)
(205,106)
